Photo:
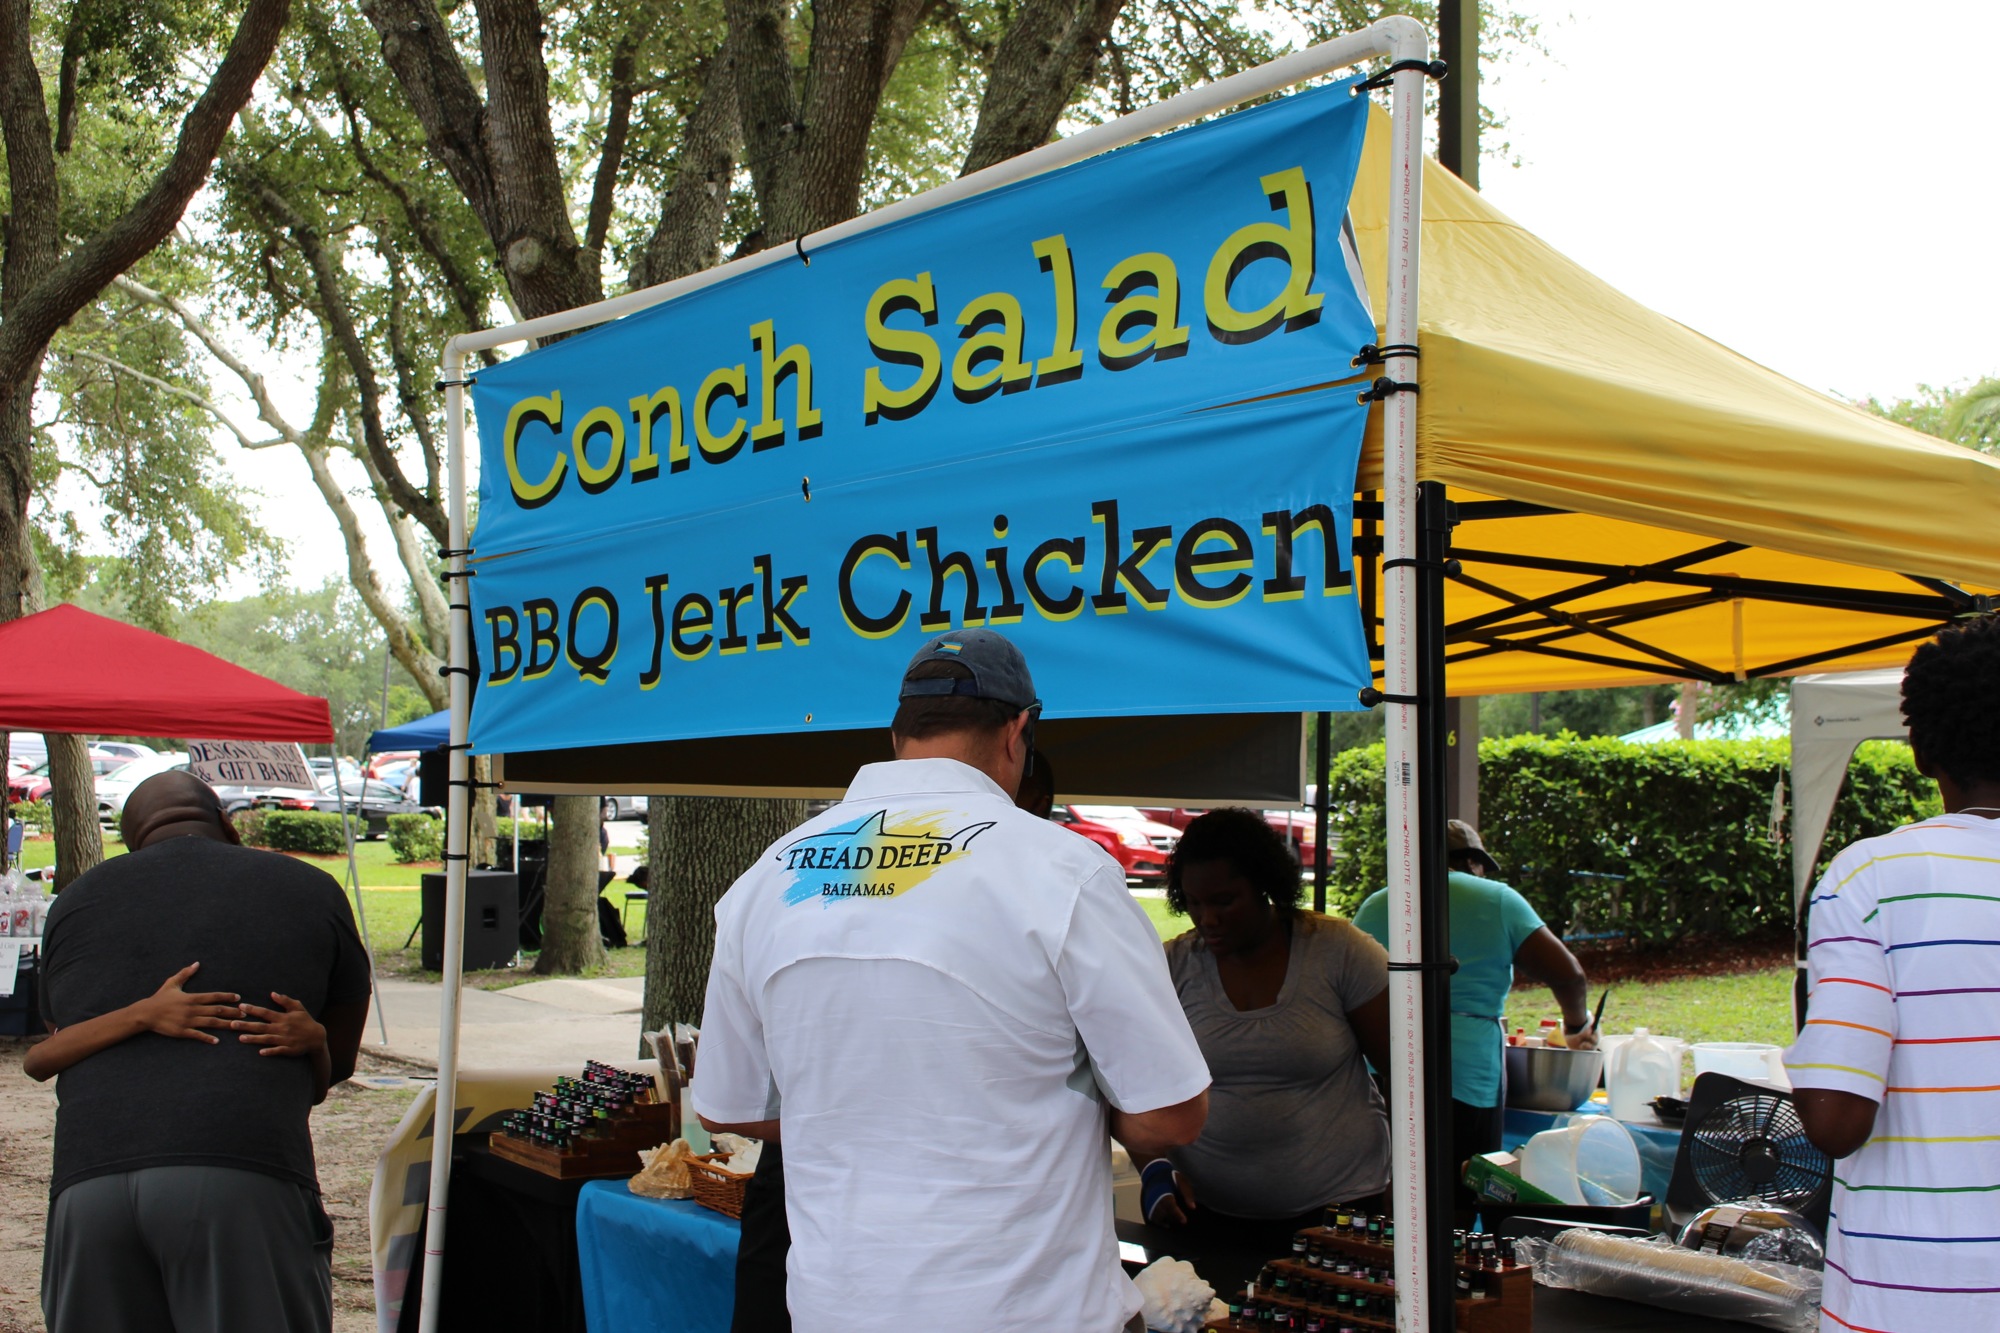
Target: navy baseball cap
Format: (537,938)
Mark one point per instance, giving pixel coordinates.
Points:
(999,672)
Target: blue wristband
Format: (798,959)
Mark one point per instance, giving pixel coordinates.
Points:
(1156,1182)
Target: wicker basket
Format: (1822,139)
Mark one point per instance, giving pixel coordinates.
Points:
(717,1187)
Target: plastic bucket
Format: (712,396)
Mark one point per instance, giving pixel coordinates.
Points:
(1755,1060)
(1593,1162)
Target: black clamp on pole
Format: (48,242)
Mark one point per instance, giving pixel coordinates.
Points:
(1446,567)
(1371,355)
(1370,697)
(1431,69)
(449,671)
(1447,966)
(1385,387)
(441,385)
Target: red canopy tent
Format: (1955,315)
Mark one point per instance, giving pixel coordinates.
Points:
(68,670)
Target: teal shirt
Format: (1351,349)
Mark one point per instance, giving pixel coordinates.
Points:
(1489,922)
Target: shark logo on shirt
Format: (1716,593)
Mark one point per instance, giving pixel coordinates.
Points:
(884,855)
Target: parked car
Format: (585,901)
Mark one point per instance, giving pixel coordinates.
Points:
(622,807)
(236,800)
(379,764)
(1300,827)
(115,786)
(33,785)
(126,749)
(1139,844)
(374,802)
(26,747)
(322,768)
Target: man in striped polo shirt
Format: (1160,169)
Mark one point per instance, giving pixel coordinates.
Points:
(1898,1068)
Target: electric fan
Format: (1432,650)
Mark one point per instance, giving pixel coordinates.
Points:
(1745,1141)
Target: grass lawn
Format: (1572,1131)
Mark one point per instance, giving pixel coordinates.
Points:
(393,913)
(1739,1006)
(1733,1006)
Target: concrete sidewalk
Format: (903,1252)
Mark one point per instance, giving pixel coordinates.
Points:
(557,1022)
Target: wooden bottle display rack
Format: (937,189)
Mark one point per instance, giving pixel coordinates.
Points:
(1508,1306)
(609,1149)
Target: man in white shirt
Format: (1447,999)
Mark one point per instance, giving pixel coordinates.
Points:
(1897,1072)
(941,1005)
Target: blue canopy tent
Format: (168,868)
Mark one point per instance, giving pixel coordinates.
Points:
(426,733)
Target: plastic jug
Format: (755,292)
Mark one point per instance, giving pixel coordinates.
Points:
(1638,1070)
(1755,1060)
(1589,1161)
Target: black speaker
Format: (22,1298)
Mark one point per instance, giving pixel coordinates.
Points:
(492,919)
(434,777)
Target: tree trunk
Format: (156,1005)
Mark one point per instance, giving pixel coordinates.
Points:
(486,816)
(570,942)
(696,847)
(73,803)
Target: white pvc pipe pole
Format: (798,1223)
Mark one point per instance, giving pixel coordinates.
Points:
(1400,37)
(457,841)
(1399,645)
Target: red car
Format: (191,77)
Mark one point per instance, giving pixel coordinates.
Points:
(33,785)
(1137,843)
(1300,827)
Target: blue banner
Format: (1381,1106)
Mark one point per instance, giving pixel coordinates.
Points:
(741,511)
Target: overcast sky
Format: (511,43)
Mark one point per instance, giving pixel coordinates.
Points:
(1806,181)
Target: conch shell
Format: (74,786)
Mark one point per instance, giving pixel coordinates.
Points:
(664,1173)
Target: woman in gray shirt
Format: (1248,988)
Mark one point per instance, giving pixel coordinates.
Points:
(1286,1003)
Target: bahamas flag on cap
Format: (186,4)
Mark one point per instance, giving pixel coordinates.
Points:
(952,646)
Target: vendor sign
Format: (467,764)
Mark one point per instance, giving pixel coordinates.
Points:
(250,764)
(740,511)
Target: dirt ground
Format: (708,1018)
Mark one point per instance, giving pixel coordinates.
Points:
(348,1131)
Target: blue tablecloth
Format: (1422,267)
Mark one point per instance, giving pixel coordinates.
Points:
(1657,1144)
(654,1263)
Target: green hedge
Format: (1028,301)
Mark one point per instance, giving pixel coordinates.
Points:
(421,837)
(303,831)
(34,812)
(415,838)
(1656,841)
(250,826)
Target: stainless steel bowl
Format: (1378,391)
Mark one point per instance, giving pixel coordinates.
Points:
(1550,1078)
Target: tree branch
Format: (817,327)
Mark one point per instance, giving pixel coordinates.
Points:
(617,123)
(503,153)
(470,308)
(207,405)
(687,237)
(409,394)
(416,43)
(34,315)
(67,71)
(415,656)
(339,321)
(1049,52)
(267,408)
(32,225)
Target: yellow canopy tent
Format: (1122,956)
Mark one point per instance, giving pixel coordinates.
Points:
(1638,502)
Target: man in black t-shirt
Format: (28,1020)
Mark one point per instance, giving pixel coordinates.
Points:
(184,1194)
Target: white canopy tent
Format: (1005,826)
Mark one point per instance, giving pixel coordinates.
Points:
(1832,714)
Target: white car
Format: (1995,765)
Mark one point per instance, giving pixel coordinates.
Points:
(114,787)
